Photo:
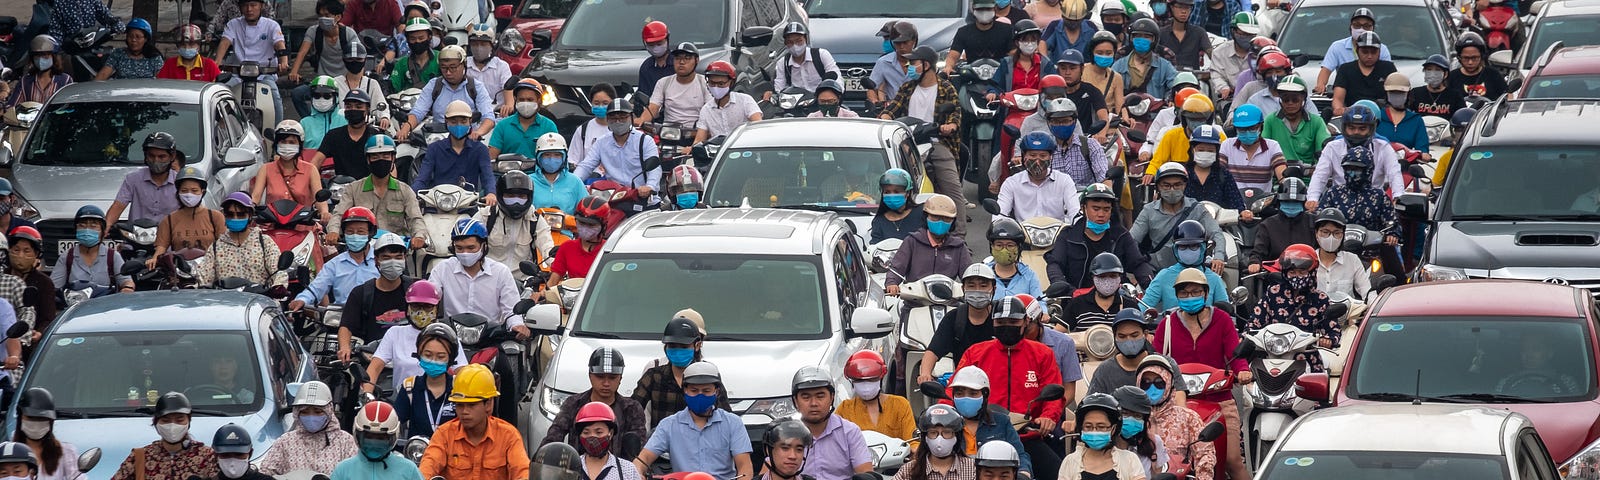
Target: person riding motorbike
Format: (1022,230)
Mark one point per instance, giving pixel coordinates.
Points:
(341,274)
(46,72)
(1101,306)
(380,303)
(1189,247)
(622,156)
(22,263)
(1383,168)
(1338,271)
(188,64)
(1294,126)
(1036,327)
(377,430)
(997,460)
(1271,66)
(474,283)
(1366,204)
(1042,190)
(840,449)
(1133,345)
(594,221)
(1254,162)
(244,251)
(557,187)
(870,407)
(1024,367)
(898,214)
(140,59)
(516,233)
(955,338)
(421,399)
(704,436)
(36,418)
(981,420)
(151,192)
(941,450)
(725,109)
(1293,298)
(1132,436)
(676,99)
(1168,117)
(1095,232)
(91,261)
(476,445)
(1159,220)
(191,225)
(1396,122)
(605,375)
(402,214)
(324,116)
(936,247)
(829,94)
(1156,71)
(460,159)
(658,63)
(234,449)
(1344,50)
(317,442)
(1012,277)
(421,63)
(1210,181)
(441,93)
(685,188)
(596,432)
(1458,127)
(659,389)
(290,175)
(520,133)
(787,444)
(1174,144)
(942,160)
(176,455)
(1277,232)
(1179,427)
(1470,79)
(1099,422)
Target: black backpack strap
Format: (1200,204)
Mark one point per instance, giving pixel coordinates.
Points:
(816,62)
(1175,222)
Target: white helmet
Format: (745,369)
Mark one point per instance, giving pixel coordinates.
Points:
(313,393)
(970,377)
(289,127)
(980,269)
(377,418)
(997,454)
(550,142)
(481,31)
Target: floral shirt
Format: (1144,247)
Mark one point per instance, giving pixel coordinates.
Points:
(1177,426)
(195,459)
(253,259)
(1296,301)
(301,450)
(1369,208)
(124,66)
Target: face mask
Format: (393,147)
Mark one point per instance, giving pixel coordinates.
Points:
(88,237)
(1107,286)
(356,243)
(460,131)
(418,48)
(1171,196)
(829,109)
(1356,32)
(1302,283)
(237,225)
(977,299)
(188,53)
(1131,348)
(1329,244)
(1131,427)
(374,449)
(1005,255)
(619,128)
(1433,77)
(355,117)
(598,112)
(866,390)
(1037,168)
(588,233)
(288,150)
(355,67)
(1190,257)
(1274,80)
(688,200)
(941,447)
(314,423)
(1104,61)
(1250,137)
(969,407)
(700,404)
(888,46)
(380,168)
(1097,227)
(1027,48)
(469,258)
(481,53)
(656,50)
(1114,28)
(527,109)
(912,74)
(1009,335)
(35,429)
(1141,45)
(325,22)
(1243,41)
(1159,8)
(1397,100)
(986,16)
(1205,159)
(939,227)
(1356,179)
(680,357)
(5,208)
(797,50)
(1192,305)
(44,63)
(322,104)
(172,432)
(432,368)
(233,467)
(552,164)
(1096,440)
(1002,3)
(159,168)
(894,201)
(1292,209)
(189,199)
(1063,132)
(422,317)
(719,92)
(391,269)
(596,446)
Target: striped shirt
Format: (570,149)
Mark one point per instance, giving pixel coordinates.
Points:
(1252,170)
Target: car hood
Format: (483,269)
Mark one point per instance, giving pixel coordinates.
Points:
(750,369)
(851,40)
(1562,436)
(582,68)
(1497,245)
(58,191)
(118,436)
(527,26)
(1411,68)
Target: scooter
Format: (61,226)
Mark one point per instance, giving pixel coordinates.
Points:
(925,303)
(294,228)
(792,102)
(1179,467)
(980,121)
(1270,402)
(498,348)
(1199,380)
(442,206)
(17,123)
(1018,105)
(87,51)
(1499,26)
(408,155)
(1023,422)
(255,96)
(1232,246)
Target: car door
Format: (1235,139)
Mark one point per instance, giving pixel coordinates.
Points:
(232,130)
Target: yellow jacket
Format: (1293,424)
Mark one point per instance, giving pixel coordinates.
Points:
(896,419)
(1174,147)
(1443,166)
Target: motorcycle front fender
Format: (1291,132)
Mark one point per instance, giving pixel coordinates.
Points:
(1270,424)
(983,131)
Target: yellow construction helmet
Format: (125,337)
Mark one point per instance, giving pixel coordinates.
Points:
(474,383)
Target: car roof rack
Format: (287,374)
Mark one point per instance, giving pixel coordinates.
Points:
(1545,58)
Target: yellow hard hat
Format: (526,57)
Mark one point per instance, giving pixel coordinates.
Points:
(474,383)
(1198,103)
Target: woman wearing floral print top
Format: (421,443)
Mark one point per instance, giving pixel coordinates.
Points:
(141,59)
(1294,299)
(176,455)
(243,252)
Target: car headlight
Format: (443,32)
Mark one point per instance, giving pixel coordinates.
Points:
(1278,345)
(1436,273)
(550,401)
(30,212)
(776,408)
(511,42)
(1586,456)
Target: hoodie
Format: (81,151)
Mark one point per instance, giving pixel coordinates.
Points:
(918,258)
(299,449)
(1178,427)
(1411,131)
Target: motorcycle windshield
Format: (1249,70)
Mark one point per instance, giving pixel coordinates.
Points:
(103,134)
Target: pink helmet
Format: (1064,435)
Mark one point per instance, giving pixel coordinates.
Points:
(423,291)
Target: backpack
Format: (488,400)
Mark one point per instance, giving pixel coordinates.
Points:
(472,93)
(316,45)
(816,61)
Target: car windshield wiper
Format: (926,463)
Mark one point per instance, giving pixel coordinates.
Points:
(1494,398)
(823,207)
(1402,397)
(147,411)
(1573,216)
(1497,216)
(107,414)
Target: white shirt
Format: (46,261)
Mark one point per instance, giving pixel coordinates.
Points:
(1346,274)
(516,239)
(1385,171)
(492,75)
(804,73)
(398,348)
(491,293)
(1160,124)
(722,120)
(254,42)
(1021,199)
(680,104)
(369,86)
(921,104)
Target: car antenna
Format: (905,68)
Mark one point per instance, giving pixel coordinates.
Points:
(1417,399)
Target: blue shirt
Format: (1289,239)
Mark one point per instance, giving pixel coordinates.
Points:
(443,165)
(425,102)
(888,73)
(1066,354)
(317,125)
(359,468)
(419,410)
(1156,83)
(710,449)
(1023,282)
(510,137)
(1055,38)
(1163,295)
(563,194)
(339,275)
(622,162)
(1341,52)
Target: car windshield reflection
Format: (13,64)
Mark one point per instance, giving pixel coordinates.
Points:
(123,372)
(109,133)
(780,177)
(789,289)
(1475,360)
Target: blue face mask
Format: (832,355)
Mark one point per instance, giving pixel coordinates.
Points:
(314,423)
(894,201)
(460,131)
(1192,304)
(356,243)
(1160,8)
(375,450)
(680,357)
(1190,258)
(1292,209)
(1250,137)
(1096,440)
(912,74)
(1154,394)
(88,237)
(939,227)
(1142,45)
(1097,227)
(1002,3)
(688,200)
(969,407)
(432,368)
(1063,132)
(700,404)
(1131,427)
(552,164)
(237,224)
(1104,61)
(887,46)
(598,111)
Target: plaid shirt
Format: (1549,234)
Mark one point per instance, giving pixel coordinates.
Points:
(1069,159)
(659,391)
(962,469)
(630,418)
(947,95)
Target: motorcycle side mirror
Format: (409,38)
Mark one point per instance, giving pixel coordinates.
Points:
(940,291)
(8,75)
(267,133)
(527,267)
(1300,60)
(30,297)
(1335,312)
(1312,386)
(1051,393)
(285,260)
(1012,130)
(1095,128)
(1244,350)
(1136,136)
(502,12)
(1416,171)
(17,330)
(651,163)
(1115,172)
(1213,431)
(324,195)
(1238,294)
(1059,289)
(868,84)
(754,36)
(1385,282)
(631,445)
(88,459)
(991,206)
(131,268)
(933,390)
(522,306)
(343,179)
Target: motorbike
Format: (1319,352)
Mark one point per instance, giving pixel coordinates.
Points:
(792,102)
(1232,246)
(1199,380)
(294,228)
(673,140)
(1499,26)
(1018,104)
(87,52)
(17,123)
(408,155)
(14,41)
(980,120)
(924,304)
(173,270)
(888,453)
(1270,402)
(497,347)
(255,97)
(623,199)
(442,206)
(1023,422)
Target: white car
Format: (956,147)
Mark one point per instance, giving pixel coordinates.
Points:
(1410,441)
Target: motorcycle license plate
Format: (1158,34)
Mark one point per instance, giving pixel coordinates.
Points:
(853,85)
(65,245)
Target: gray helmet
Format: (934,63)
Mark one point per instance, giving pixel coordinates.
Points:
(191,173)
(44,43)
(516,181)
(1132,399)
(231,438)
(1105,262)
(1024,27)
(809,377)
(606,360)
(355,51)
(172,402)
(1292,190)
(925,53)
(787,430)
(556,461)
(620,105)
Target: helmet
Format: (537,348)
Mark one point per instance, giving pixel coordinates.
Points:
(380,143)
(37,402)
(1463,117)
(1171,169)
(701,373)
(442,332)
(1192,275)
(939,205)
(377,417)
(191,173)
(830,84)
(1298,257)
(1052,81)
(1292,189)
(1396,82)
(685,178)
(1132,399)
(89,212)
(1098,191)
(1208,134)
(44,43)
(895,176)
(795,27)
(593,208)
(140,24)
(1261,42)
(997,454)
(1292,83)
(620,105)
(1010,307)
(287,128)
(556,461)
(1190,232)
(970,377)
(1105,262)
(1471,39)
(787,430)
(529,84)
(1024,27)
(940,415)
(419,5)
(865,365)
(1271,60)
(1437,60)
(1162,361)
(1112,8)
(1246,116)
(1041,140)
(721,68)
(1183,94)
(516,180)
(18,452)
(978,270)
(423,291)
(231,438)
(356,51)
(686,47)
(1004,229)
(1360,115)
(596,412)
(1102,37)
(172,402)
(418,24)
(809,377)
(1329,215)
(1198,103)
(1368,39)
(1074,11)
(654,31)
(1183,79)
(457,108)
(159,140)
(359,214)
(1363,12)
(480,31)
(681,331)
(1059,107)
(313,393)
(467,227)
(550,142)
(190,33)
(27,233)
(474,383)
(1146,26)
(324,84)
(1246,22)
(606,361)
(1102,402)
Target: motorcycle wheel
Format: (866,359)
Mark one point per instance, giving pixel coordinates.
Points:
(978,158)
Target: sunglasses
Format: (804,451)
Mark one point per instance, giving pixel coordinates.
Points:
(1155,383)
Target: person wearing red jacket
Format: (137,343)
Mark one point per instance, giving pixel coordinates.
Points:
(1019,369)
(1213,346)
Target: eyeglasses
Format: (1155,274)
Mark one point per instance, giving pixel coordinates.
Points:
(1191,293)
(324,96)
(459,67)
(1170,187)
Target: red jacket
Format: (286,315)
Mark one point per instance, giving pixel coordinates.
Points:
(1017,374)
(207,71)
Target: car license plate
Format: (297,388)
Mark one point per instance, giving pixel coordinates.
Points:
(853,85)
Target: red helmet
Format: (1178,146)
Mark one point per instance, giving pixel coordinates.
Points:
(1052,80)
(1034,307)
(359,214)
(1271,60)
(865,365)
(1298,257)
(654,31)
(1183,95)
(596,412)
(27,233)
(1261,42)
(720,67)
(593,208)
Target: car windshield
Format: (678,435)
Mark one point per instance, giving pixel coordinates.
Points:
(1356,465)
(120,372)
(1495,182)
(1409,32)
(785,294)
(779,177)
(884,8)
(547,8)
(1564,86)
(1505,359)
(1570,30)
(599,24)
(109,133)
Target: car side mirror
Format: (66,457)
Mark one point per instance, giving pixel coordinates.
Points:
(88,459)
(753,36)
(868,322)
(285,260)
(1503,59)
(1312,386)
(991,206)
(933,390)
(502,12)
(544,319)
(238,157)
(542,39)
(1515,85)
(1413,206)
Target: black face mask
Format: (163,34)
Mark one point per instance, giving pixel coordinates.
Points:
(355,67)
(418,48)
(1114,28)
(355,117)
(380,168)
(1008,335)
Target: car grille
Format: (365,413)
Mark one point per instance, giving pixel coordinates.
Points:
(53,231)
(852,75)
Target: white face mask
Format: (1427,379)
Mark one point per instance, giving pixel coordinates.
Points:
(35,429)
(867,390)
(233,467)
(469,258)
(797,50)
(1329,244)
(1027,48)
(527,109)
(288,150)
(986,16)
(1205,159)
(189,199)
(322,104)
(941,447)
(481,52)
(172,432)
(719,92)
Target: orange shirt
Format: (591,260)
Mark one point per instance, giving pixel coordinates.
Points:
(296,186)
(500,456)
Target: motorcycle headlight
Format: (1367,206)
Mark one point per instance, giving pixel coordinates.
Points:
(1587,456)
(556,220)
(469,335)
(249,70)
(788,101)
(1027,102)
(1102,343)
(671,134)
(332,317)
(550,401)
(1040,237)
(511,42)
(773,407)
(145,236)
(1194,384)
(1278,344)
(984,72)
(1436,273)
(415,447)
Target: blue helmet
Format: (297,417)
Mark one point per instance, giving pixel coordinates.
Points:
(467,227)
(140,24)
(1361,115)
(1038,141)
(1246,116)
(90,212)
(380,143)
(1208,133)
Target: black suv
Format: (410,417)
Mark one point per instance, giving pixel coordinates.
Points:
(1521,199)
(600,43)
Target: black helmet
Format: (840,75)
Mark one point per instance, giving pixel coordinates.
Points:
(1190,232)
(90,212)
(680,330)
(37,402)
(620,105)
(1006,229)
(516,181)
(1105,262)
(1363,12)
(1471,39)
(1292,189)
(831,84)
(1463,117)
(160,141)
(796,27)
(605,360)
(1102,402)
(1329,215)
(787,430)
(1132,399)
(18,452)
(1009,307)
(940,415)
(1024,27)
(1145,26)
(1098,191)
(556,461)
(231,438)
(172,402)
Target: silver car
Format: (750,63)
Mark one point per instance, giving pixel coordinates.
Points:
(1410,441)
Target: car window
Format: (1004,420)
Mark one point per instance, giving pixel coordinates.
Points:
(1570,30)
(1312,29)
(1496,181)
(102,134)
(760,13)
(1368,465)
(116,373)
(884,8)
(776,177)
(1564,86)
(224,130)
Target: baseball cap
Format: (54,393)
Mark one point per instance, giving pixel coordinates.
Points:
(700,373)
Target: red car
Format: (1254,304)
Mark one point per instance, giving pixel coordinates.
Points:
(1529,347)
(1571,72)
(527,17)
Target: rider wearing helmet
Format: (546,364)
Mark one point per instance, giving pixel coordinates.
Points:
(658,388)
(981,419)
(1098,230)
(516,233)
(952,339)
(623,158)
(1040,190)
(1296,126)
(401,215)
(454,85)
(1458,129)
(685,189)
(1251,159)
(44,73)
(234,448)
(1233,58)
(1470,79)
(341,274)
(422,354)
(1293,298)
(317,442)
(174,456)
(1363,78)
(291,175)
(1365,203)
(658,64)
(420,62)
(188,64)
(866,371)
(377,429)
(1197,110)
(1435,97)
(727,109)
(140,59)
(191,225)
(560,461)
(931,249)
(524,132)
(459,159)
(704,436)
(36,416)
(18,461)
(787,443)
(1100,56)
(474,283)
(574,259)
(1272,66)
(1343,50)
(487,69)
(1360,142)
(1177,426)
(1019,369)
(497,452)
(1189,248)
(1025,55)
(1210,181)
(1142,38)
(839,444)
(323,45)
(558,187)
(1157,224)
(322,115)
(379,303)
(830,94)
(805,66)
(1099,423)
(1084,311)
(626,415)
(150,192)
(1277,232)
(243,252)
(91,262)
(1133,435)
(1339,271)
(942,448)
(899,214)
(1012,276)
(680,106)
